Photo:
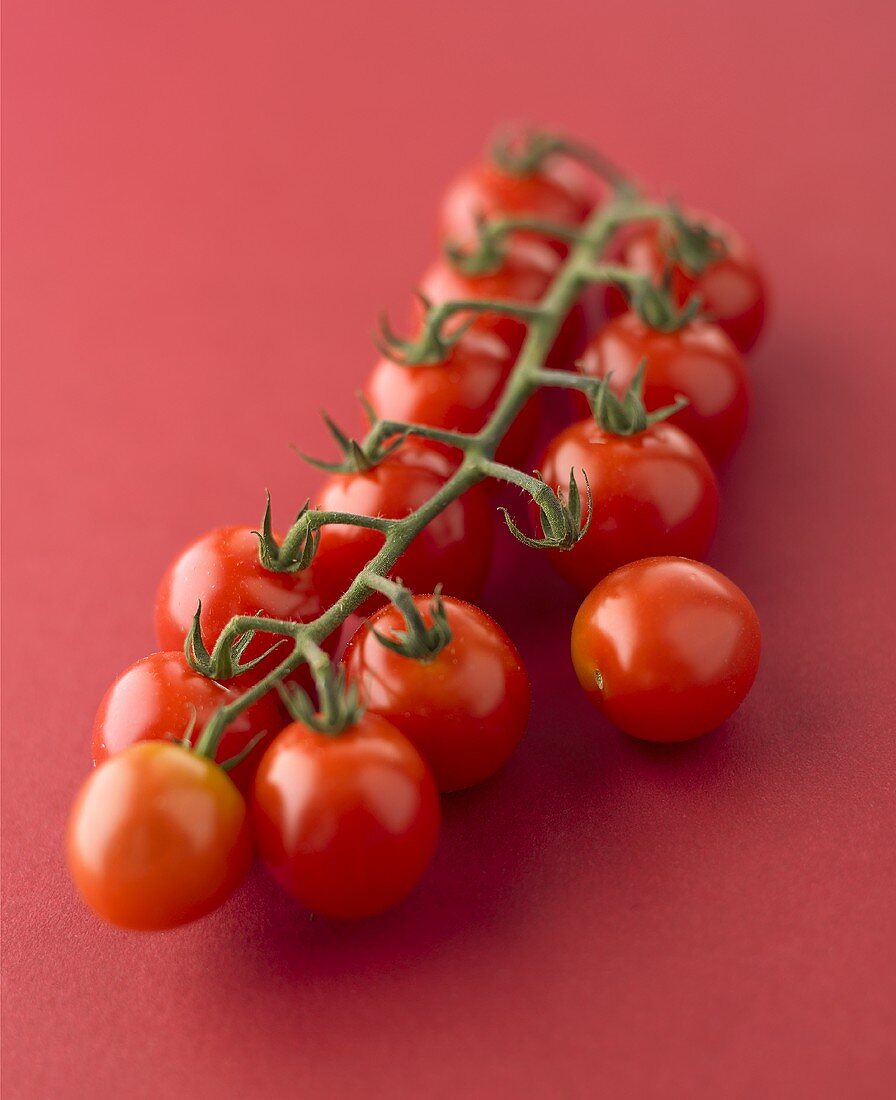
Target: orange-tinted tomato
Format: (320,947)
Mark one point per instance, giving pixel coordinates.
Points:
(465,709)
(346,822)
(667,648)
(158,837)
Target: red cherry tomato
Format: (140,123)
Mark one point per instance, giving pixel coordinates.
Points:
(157,698)
(465,709)
(698,362)
(667,648)
(731,288)
(454,549)
(158,837)
(558,191)
(459,393)
(654,493)
(529,268)
(223,570)
(346,822)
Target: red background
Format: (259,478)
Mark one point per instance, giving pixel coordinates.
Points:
(206,205)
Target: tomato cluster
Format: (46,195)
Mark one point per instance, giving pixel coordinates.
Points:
(199,765)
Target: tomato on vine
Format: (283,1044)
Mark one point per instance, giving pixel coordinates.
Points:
(158,837)
(707,259)
(222,569)
(459,392)
(448,677)
(161,698)
(454,549)
(697,362)
(654,489)
(667,648)
(346,812)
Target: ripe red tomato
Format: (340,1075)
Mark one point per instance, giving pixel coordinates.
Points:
(156,699)
(223,570)
(158,837)
(667,648)
(698,362)
(454,549)
(465,709)
(529,268)
(345,822)
(558,191)
(654,493)
(731,288)
(459,393)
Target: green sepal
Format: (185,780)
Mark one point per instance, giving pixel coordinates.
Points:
(691,244)
(561,520)
(225,662)
(340,705)
(356,457)
(298,549)
(656,308)
(627,415)
(418,641)
(430,348)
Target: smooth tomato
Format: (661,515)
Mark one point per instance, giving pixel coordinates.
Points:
(667,648)
(459,393)
(346,822)
(156,699)
(731,288)
(223,570)
(528,269)
(558,191)
(454,549)
(654,493)
(465,709)
(158,837)
(698,362)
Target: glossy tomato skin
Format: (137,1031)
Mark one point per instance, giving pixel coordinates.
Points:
(454,549)
(732,289)
(158,837)
(676,644)
(464,710)
(156,699)
(459,393)
(698,362)
(528,269)
(346,823)
(222,569)
(654,493)
(557,192)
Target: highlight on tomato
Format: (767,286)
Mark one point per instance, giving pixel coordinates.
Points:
(161,698)
(458,392)
(158,837)
(447,676)
(454,549)
(346,812)
(653,488)
(696,361)
(704,257)
(666,648)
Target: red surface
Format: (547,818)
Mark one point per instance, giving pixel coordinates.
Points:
(206,206)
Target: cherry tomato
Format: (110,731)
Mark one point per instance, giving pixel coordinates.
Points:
(731,288)
(698,362)
(157,698)
(223,570)
(465,709)
(667,648)
(158,837)
(557,191)
(459,393)
(454,549)
(654,493)
(529,268)
(346,822)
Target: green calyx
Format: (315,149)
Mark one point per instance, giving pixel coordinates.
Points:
(298,548)
(691,244)
(339,704)
(655,306)
(560,515)
(433,344)
(627,415)
(225,660)
(417,641)
(356,457)
(523,152)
